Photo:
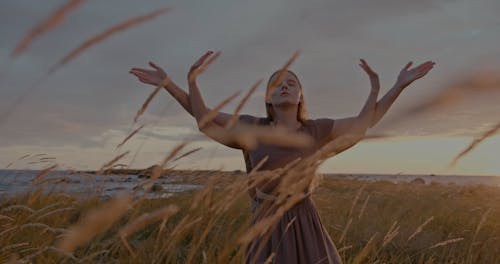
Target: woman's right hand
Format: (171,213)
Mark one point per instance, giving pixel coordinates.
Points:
(201,65)
(153,77)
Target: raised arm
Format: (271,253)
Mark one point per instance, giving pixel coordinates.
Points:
(358,125)
(154,77)
(199,110)
(405,78)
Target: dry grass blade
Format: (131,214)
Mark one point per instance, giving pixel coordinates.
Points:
(363,208)
(342,249)
(344,232)
(129,136)
(420,228)
(48,24)
(173,153)
(158,169)
(94,222)
(285,68)
(143,220)
(234,118)
(25,156)
(205,65)
(6,217)
(187,153)
(449,241)
(111,162)
(42,173)
(17,206)
(208,117)
(150,98)
(481,222)
(476,142)
(356,198)
(106,34)
(391,234)
(146,219)
(56,211)
(370,246)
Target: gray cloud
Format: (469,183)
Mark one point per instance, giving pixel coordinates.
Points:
(94,94)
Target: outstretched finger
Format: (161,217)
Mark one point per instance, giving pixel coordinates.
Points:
(408,65)
(137,70)
(209,60)
(154,65)
(202,59)
(365,65)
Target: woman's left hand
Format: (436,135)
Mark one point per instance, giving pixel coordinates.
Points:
(407,75)
(368,70)
(201,65)
(373,76)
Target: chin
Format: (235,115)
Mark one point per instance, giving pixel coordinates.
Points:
(286,103)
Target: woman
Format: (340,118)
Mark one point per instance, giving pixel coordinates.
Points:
(298,236)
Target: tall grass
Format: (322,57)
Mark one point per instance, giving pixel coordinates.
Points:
(206,226)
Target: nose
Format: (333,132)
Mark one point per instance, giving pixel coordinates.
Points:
(284,86)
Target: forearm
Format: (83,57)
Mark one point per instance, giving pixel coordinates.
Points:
(196,101)
(180,96)
(386,102)
(367,113)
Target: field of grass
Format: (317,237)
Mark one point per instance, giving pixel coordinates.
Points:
(369,222)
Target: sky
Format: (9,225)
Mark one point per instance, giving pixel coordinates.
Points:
(81,112)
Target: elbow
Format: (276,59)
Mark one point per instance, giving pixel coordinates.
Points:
(362,126)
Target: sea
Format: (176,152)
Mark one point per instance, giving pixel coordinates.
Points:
(15,182)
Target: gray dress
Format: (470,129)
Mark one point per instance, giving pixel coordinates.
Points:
(299,236)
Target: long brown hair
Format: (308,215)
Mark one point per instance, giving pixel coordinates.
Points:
(302,109)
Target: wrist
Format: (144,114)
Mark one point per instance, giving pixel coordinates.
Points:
(401,84)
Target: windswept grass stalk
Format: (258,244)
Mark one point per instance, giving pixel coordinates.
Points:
(344,232)
(111,162)
(143,220)
(106,34)
(365,252)
(489,133)
(447,242)
(285,68)
(128,137)
(187,154)
(420,228)
(243,101)
(56,18)
(355,200)
(94,222)
(150,98)
(363,208)
(391,234)
(212,114)
(43,173)
(157,170)
(204,66)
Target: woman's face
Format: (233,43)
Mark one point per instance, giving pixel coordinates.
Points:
(286,92)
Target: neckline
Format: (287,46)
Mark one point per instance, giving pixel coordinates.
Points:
(271,123)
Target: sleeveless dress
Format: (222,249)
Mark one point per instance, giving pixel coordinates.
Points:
(299,236)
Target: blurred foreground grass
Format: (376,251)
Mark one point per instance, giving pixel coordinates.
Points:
(377,222)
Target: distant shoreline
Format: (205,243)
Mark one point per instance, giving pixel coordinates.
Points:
(186,171)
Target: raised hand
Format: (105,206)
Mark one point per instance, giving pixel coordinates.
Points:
(372,75)
(202,64)
(367,69)
(407,75)
(153,77)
